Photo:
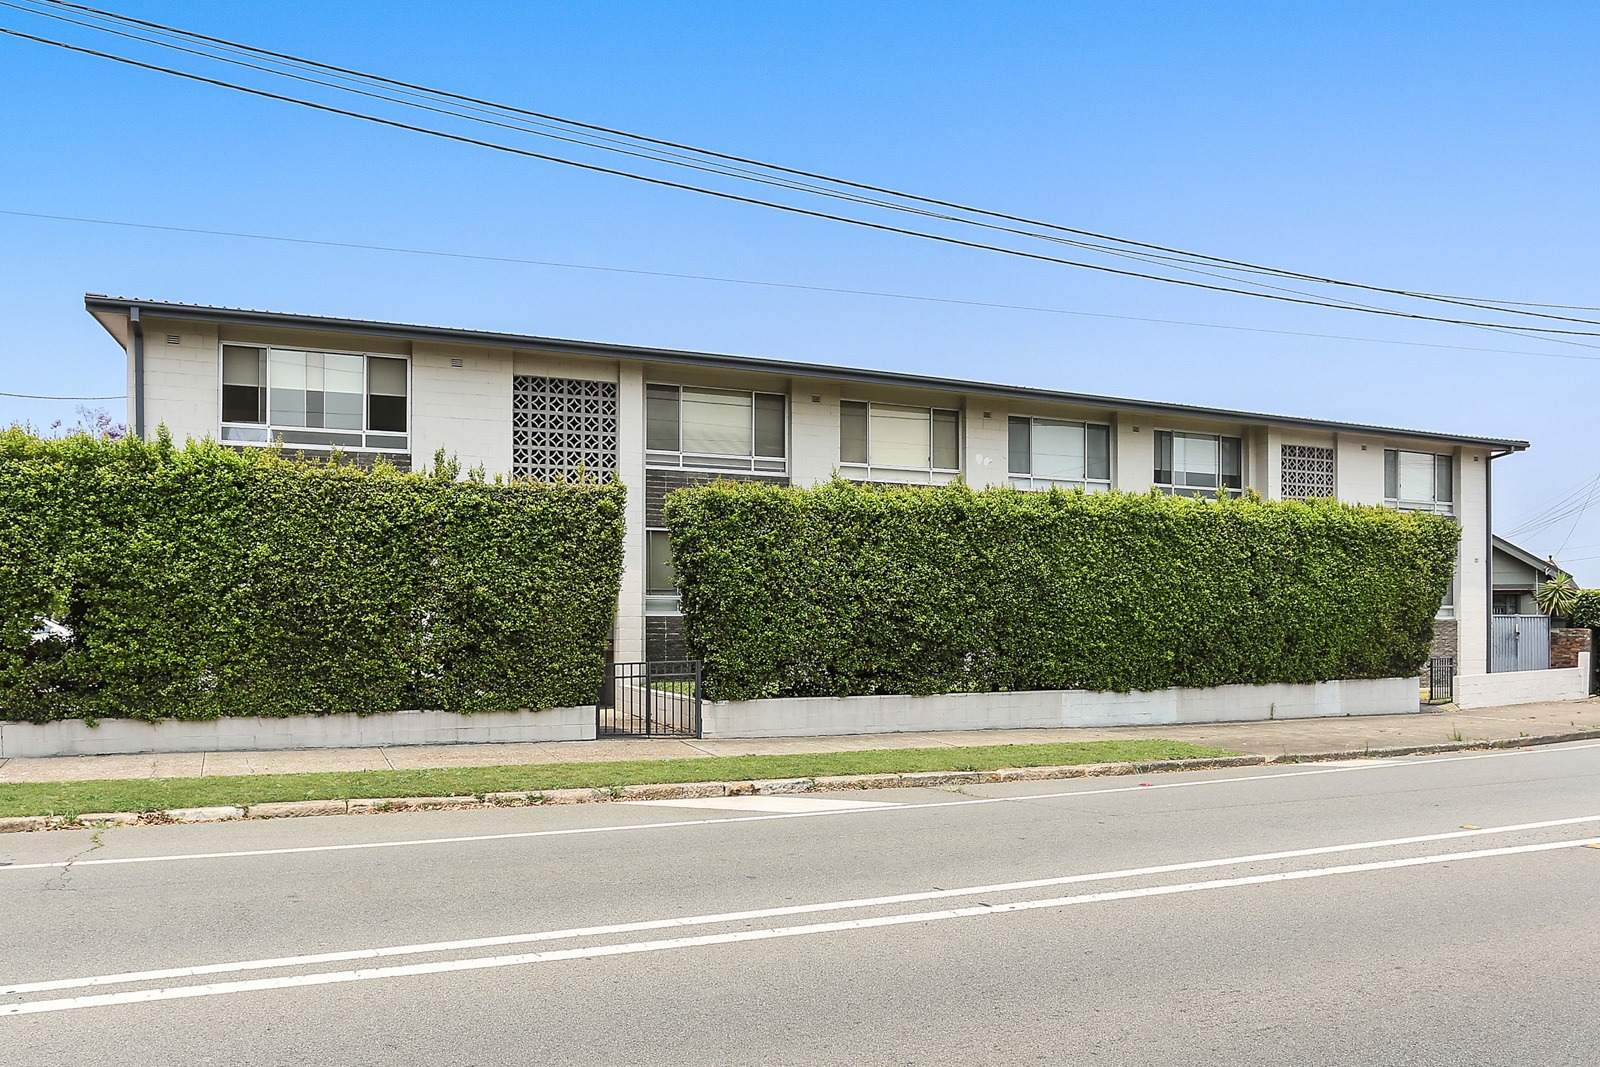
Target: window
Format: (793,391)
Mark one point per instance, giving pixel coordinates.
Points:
(660,578)
(1508,603)
(899,438)
(1419,481)
(1198,464)
(1049,452)
(338,399)
(724,429)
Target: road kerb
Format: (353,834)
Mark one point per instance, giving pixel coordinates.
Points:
(765,787)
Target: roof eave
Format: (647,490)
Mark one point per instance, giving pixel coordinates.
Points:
(287,320)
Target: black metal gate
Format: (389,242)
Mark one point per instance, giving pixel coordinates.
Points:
(1441,680)
(659,699)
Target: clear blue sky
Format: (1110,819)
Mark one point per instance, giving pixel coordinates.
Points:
(1450,147)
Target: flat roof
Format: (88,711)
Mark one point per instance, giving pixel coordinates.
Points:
(96,302)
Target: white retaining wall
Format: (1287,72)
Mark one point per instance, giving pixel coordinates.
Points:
(1523,687)
(822,716)
(74,737)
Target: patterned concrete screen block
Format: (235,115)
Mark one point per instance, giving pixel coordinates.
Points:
(563,426)
(1307,472)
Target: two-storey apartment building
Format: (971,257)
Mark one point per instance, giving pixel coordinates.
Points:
(659,419)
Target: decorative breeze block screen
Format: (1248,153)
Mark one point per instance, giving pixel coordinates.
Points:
(563,426)
(1307,472)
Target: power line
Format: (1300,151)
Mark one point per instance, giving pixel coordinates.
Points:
(790,208)
(763,283)
(611,133)
(36,396)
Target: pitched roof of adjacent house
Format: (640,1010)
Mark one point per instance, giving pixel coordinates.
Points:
(1542,566)
(96,302)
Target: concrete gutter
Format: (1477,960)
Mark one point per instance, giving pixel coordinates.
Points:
(761,787)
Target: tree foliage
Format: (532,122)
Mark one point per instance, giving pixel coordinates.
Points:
(845,589)
(149,581)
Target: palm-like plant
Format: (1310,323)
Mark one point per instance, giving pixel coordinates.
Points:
(1558,596)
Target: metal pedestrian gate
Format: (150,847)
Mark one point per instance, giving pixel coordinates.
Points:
(657,699)
(1441,680)
(1519,643)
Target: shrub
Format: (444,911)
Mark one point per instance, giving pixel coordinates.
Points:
(845,589)
(1586,609)
(147,581)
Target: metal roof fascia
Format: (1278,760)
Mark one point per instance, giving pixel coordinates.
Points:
(452,335)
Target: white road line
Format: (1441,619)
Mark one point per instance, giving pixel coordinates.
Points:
(785,802)
(483,963)
(1376,764)
(129,977)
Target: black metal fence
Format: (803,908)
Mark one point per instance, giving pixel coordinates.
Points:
(657,699)
(1441,679)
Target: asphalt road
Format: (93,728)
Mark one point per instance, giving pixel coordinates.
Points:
(1439,910)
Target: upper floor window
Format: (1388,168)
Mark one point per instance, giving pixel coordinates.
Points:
(1198,464)
(338,399)
(725,429)
(896,437)
(1419,481)
(1045,453)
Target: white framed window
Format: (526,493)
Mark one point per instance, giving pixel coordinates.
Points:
(896,439)
(346,400)
(1419,481)
(660,577)
(715,429)
(1198,464)
(1046,453)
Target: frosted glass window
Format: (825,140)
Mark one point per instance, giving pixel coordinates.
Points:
(716,422)
(900,436)
(852,431)
(1058,450)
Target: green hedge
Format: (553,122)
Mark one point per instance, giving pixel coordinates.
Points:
(1587,611)
(843,589)
(202,581)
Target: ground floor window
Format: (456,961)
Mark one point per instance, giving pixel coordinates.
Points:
(661,579)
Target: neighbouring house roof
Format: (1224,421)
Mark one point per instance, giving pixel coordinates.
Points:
(1541,566)
(99,305)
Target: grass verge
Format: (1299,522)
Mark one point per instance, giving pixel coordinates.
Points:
(147,794)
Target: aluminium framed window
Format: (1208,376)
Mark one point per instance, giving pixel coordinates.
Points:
(1419,481)
(1052,453)
(716,429)
(353,401)
(895,440)
(1199,464)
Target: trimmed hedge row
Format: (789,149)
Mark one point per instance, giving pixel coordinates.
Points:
(148,581)
(846,589)
(1587,610)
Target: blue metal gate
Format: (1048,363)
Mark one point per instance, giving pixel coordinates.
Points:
(1519,642)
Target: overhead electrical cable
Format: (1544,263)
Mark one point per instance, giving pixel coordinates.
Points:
(767,283)
(790,208)
(611,132)
(1141,251)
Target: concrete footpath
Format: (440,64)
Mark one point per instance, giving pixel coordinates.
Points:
(1274,738)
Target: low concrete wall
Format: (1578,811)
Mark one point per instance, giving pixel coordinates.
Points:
(822,716)
(74,737)
(1523,687)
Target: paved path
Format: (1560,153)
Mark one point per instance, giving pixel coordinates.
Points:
(1434,910)
(1255,738)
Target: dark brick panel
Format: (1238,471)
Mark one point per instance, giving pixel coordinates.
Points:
(1565,644)
(663,638)
(658,483)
